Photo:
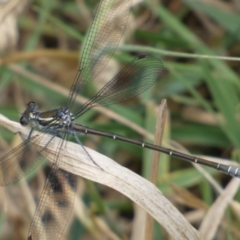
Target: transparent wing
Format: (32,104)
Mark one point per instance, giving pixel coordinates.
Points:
(21,160)
(135,78)
(102,39)
(56,202)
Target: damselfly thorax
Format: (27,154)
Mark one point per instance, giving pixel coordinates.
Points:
(56,118)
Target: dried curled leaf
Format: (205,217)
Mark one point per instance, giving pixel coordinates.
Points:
(138,189)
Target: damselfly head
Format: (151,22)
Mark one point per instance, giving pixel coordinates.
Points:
(26,117)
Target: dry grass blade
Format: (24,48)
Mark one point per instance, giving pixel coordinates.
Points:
(33,55)
(123,180)
(155,162)
(215,214)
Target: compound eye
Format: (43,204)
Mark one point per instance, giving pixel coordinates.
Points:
(32,106)
(24,121)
